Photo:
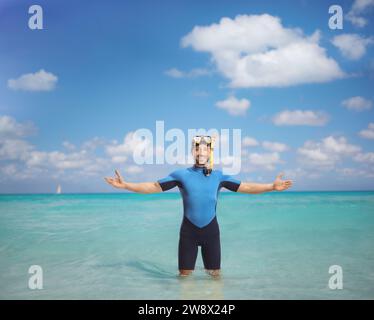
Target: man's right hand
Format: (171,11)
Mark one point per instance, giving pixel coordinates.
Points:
(117,181)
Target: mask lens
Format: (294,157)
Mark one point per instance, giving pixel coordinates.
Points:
(197,139)
(208,139)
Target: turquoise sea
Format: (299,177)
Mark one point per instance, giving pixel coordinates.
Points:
(124,246)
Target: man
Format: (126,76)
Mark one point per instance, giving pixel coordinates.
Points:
(199,186)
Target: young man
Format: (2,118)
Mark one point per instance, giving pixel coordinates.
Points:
(199,186)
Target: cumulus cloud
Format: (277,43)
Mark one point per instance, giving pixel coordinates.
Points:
(300,118)
(38,81)
(32,161)
(339,145)
(12,146)
(69,146)
(28,162)
(93,143)
(258,51)
(14,149)
(132,169)
(369,132)
(350,172)
(298,173)
(75,164)
(359,7)
(9,128)
(265,161)
(9,169)
(234,106)
(357,103)
(275,146)
(352,46)
(194,73)
(365,157)
(18,172)
(58,159)
(120,152)
(326,153)
(249,142)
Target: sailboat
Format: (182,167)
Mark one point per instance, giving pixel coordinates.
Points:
(58,191)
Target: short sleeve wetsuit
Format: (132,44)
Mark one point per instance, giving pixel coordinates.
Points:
(199,226)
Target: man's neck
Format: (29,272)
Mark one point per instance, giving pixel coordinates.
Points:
(199,165)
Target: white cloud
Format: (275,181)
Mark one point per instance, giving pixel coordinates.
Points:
(313,153)
(357,103)
(14,149)
(194,73)
(174,73)
(69,146)
(119,158)
(359,7)
(369,132)
(258,51)
(234,106)
(299,173)
(9,128)
(133,169)
(275,146)
(265,161)
(300,118)
(339,145)
(347,171)
(249,142)
(75,165)
(10,169)
(121,152)
(17,172)
(326,153)
(352,46)
(32,160)
(38,81)
(350,172)
(28,162)
(365,157)
(58,159)
(93,143)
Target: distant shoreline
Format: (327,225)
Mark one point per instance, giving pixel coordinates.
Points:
(177,192)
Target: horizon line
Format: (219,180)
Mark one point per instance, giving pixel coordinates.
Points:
(176,192)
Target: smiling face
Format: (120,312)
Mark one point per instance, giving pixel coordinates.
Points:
(201,153)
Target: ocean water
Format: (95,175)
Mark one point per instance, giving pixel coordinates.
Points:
(124,246)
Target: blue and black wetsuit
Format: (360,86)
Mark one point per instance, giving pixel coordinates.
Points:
(199,226)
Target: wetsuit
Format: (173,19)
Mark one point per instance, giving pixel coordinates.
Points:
(199,226)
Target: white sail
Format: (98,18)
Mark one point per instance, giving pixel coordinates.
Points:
(58,189)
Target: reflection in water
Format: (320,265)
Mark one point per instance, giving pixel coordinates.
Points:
(198,285)
(150,268)
(193,287)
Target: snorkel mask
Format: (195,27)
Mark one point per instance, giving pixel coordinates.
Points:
(209,141)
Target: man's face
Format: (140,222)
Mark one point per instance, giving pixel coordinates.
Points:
(201,154)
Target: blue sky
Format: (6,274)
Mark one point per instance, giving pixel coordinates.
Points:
(100,70)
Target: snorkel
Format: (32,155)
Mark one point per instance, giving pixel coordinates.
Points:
(208,171)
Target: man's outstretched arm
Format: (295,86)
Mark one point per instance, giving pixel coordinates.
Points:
(278,185)
(140,187)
